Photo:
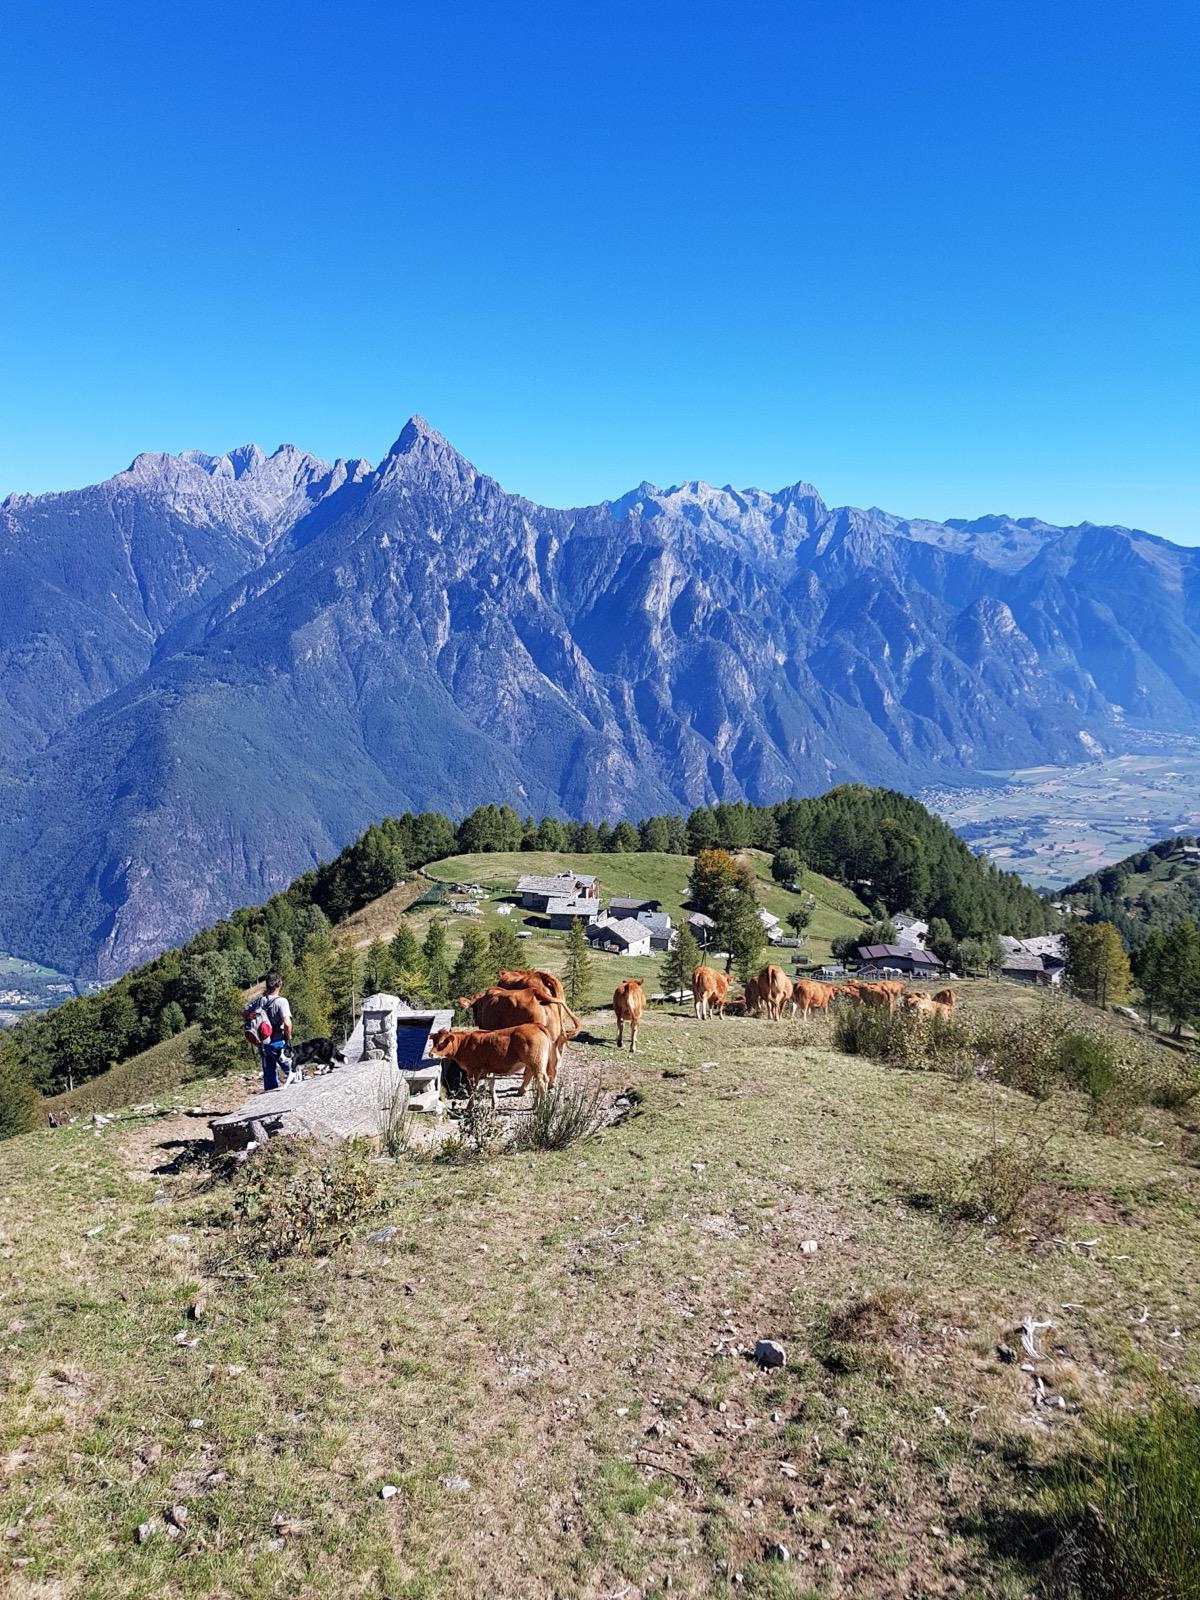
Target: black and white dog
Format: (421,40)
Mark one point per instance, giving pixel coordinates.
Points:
(321,1053)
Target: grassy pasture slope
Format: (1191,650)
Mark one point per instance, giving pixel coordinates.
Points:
(158,1070)
(561,1330)
(656,875)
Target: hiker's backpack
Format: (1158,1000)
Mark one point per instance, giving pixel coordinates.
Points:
(256,1025)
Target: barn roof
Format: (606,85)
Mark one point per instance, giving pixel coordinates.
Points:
(1022,963)
(570,905)
(897,952)
(656,921)
(626,930)
(556,883)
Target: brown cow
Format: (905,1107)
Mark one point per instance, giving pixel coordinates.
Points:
(531,978)
(917,1004)
(874,994)
(500,1007)
(890,986)
(709,989)
(775,989)
(629,1002)
(496,1052)
(944,997)
(808,996)
(752,998)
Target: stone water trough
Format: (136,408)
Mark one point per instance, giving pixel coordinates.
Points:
(388,1071)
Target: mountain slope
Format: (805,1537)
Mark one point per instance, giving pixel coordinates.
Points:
(1151,889)
(282,650)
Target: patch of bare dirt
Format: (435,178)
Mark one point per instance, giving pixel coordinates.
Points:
(150,1144)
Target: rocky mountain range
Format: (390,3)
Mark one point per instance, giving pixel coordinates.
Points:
(216,670)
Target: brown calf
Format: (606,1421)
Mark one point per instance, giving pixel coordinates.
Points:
(709,989)
(496,1052)
(629,1001)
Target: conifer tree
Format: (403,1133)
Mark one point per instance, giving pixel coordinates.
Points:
(577,972)
(1179,974)
(437,962)
(742,934)
(220,1044)
(343,974)
(309,997)
(171,1020)
(406,952)
(379,969)
(1097,967)
(682,959)
(472,969)
(504,950)
(18,1097)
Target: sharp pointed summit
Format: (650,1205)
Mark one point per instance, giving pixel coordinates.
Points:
(422,454)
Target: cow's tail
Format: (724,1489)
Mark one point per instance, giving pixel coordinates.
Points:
(567,1009)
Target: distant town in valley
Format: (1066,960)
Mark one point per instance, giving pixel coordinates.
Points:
(1053,825)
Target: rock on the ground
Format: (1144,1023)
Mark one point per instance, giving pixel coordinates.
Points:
(769,1353)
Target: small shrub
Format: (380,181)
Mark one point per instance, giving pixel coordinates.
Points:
(898,1039)
(568,1112)
(872,1032)
(946,1046)
(484,1130)
(1175,1091)
(395,1125)
(1128,1513)
(999,1187)
(1023,1055)
(302,1196)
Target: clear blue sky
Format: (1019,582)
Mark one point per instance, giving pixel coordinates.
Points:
(935,257)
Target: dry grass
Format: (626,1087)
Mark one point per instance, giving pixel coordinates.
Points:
(569,1331)
(380,919)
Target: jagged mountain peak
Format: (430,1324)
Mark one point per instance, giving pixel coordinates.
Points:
(244,462)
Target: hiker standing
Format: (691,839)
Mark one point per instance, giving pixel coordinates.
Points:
(275,1015)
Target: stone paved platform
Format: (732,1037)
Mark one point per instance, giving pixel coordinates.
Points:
(353,1100)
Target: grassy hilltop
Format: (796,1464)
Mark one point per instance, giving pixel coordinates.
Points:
(567,1332)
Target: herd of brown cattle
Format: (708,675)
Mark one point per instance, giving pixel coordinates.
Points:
(523,1021)
(774,993)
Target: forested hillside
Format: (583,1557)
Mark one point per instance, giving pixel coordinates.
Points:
(887,847)
(1149,891)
